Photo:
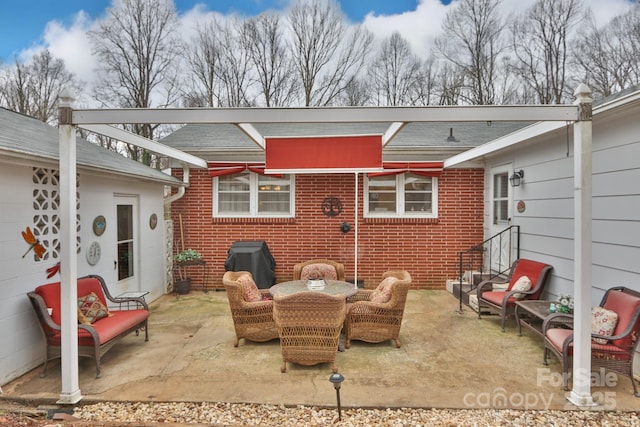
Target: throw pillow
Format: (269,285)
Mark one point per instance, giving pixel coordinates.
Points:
(382,293)
(250,290)
(92,308)
(82,319)
(522,284)
(319,271)
(603,322)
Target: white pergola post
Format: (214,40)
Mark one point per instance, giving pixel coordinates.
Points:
(70,392)
(582,131)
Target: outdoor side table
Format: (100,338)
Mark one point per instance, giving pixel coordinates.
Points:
(531,314)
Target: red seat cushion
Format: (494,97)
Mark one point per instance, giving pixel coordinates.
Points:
(557,337)
(108,327)
(497,298)
(625,306)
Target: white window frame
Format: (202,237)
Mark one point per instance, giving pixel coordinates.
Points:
(400,204)
(253,200)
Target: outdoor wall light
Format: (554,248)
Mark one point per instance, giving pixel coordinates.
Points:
(345,227)
(516,178)
(337,379)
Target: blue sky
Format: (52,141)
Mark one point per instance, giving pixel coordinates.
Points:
(23,22)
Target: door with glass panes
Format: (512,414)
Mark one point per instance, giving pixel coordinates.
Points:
(127,242)
(500,218)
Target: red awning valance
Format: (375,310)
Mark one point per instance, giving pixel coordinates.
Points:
(227,168)
(324,153)
(419,168)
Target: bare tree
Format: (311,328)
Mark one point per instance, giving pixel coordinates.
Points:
(357,92)
(138,48)
(540,41)
(394,72)
(449,84)
(271,60)
(327,53)
(608,59)
(202,59)
(33,88)
(472,42)
(233,70)
(425,88)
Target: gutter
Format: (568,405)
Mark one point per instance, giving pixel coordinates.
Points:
(181,190)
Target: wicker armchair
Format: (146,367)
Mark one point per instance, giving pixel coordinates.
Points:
(618,350)
(504,302)
(319,267)
(252,321)
(373,321)
(309,324)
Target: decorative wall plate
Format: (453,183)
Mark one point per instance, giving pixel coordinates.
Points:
(99,225)
(153,221)
(331,206)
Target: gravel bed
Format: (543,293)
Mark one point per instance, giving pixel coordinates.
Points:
(277,415)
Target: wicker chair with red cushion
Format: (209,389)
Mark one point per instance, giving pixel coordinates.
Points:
(319,268)
(504,302)
(251,308)
(375,315)
(618,350)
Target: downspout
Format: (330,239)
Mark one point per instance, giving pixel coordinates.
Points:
(181,190)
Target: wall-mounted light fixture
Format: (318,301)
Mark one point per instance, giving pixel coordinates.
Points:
(516,178)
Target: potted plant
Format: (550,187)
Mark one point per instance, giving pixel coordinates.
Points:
(182,260)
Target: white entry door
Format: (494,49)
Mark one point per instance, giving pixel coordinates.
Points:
(127,247)
(500,219)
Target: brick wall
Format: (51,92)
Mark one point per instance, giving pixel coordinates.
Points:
(427,248)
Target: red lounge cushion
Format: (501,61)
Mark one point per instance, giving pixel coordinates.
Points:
(108,327)
(557,336)
(497,297)
(624,305)
(529,268)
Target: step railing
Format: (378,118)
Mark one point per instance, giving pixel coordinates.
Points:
(481,257)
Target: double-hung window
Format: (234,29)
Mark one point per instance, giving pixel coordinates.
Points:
(249,194)
(401,195)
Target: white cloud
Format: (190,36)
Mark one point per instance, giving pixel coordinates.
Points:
(72,45)
(418,27)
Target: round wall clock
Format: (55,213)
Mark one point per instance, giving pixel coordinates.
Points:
(99,225)
(331,206)
(93,253)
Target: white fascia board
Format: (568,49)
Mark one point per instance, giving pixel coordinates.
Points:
(391,132)
(503,142)
(156,147)
(475,113)
(634,96)
(252,133)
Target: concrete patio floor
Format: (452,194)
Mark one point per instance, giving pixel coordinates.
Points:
(447,360)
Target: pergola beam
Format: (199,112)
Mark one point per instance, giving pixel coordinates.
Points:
(147,144)
(476,113)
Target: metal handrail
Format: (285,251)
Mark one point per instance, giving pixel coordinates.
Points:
(471,256)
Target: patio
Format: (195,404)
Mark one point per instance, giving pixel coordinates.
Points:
(447,360)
